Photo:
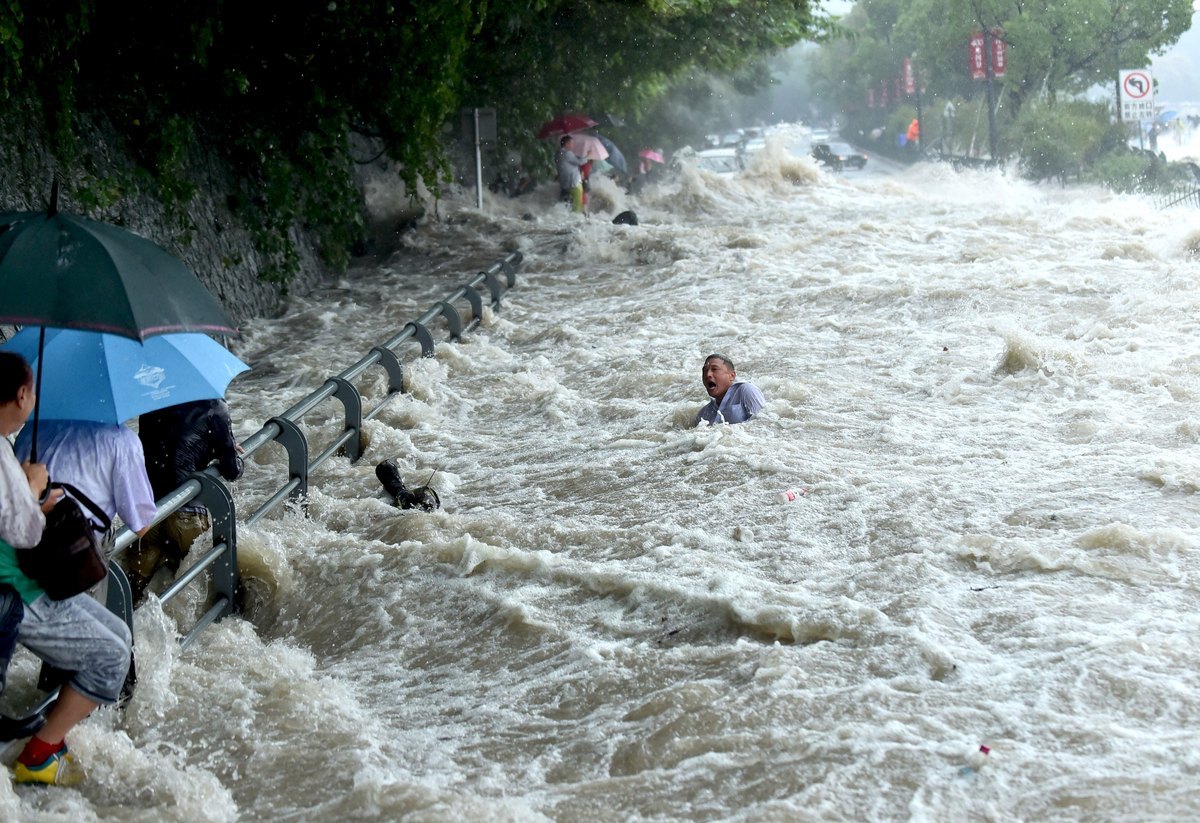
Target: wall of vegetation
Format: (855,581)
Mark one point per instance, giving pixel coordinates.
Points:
(275,89)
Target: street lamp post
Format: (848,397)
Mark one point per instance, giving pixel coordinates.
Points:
(990,70)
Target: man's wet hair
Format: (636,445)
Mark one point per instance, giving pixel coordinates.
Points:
(564,140)
(722,358)
(14,373)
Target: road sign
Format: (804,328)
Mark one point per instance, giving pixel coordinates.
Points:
(1137,94)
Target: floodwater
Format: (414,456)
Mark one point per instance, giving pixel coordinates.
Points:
(990,390)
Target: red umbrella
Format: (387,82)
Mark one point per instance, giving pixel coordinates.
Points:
(564,124)
(651,154)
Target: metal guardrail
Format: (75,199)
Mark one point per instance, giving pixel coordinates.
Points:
(1189,197)
(209,489)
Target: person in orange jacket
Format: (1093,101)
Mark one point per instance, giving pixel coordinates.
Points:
(914,132)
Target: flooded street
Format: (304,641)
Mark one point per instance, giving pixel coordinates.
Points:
(990,390)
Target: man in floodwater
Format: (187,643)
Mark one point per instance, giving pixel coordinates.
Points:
(733,400)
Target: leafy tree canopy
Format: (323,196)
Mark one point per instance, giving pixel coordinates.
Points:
(277,86)
(1054,46)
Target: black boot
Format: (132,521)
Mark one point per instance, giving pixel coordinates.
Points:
(423,498)
(389,476)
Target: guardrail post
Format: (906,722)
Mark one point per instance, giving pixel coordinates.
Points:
(453,319)
(392,365)
(494,286)
(510,272)
(292,439)
(118,598)
(215,497)
(352,401)
(423,337)
(476,302)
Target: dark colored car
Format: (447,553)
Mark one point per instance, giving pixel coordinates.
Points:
(839,155)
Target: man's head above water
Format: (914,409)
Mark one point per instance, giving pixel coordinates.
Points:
(717,375)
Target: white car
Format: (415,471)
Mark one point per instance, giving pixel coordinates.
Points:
(720,161)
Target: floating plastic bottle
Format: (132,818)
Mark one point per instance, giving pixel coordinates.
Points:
(975,761)
(791,495)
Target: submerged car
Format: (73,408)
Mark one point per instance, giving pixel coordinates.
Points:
(839,155)
(720,161)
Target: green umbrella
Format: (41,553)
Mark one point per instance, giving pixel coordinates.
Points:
(67,271)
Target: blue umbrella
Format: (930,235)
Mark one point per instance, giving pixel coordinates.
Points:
(615,158)
(110,379)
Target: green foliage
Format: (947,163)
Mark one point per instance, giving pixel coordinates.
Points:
(277,86)
(97,193)
(1123,172)
(1055,47)
(626,57)
(1056,140)
(1130,170)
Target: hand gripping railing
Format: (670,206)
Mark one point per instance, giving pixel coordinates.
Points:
(208,488)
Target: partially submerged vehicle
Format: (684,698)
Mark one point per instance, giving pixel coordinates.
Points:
(838,155)
(720,161)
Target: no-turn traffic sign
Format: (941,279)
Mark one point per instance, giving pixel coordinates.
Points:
(1137,94)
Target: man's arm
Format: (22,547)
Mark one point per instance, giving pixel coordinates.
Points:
(752,400)
(131,485)
(224,444)
(21,519)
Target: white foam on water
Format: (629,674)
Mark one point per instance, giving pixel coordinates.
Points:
(989,388)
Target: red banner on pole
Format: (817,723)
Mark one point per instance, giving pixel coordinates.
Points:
(976,61)
(999,53)
(910,87)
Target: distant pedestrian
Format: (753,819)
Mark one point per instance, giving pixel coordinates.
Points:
(913,135)
(570,181)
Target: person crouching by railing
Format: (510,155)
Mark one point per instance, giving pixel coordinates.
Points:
(178,441)
(77,634)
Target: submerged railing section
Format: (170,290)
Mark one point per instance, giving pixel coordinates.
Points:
(209,488)
(1187,196)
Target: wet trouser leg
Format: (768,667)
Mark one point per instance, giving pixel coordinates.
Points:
(167,543)
(11,612)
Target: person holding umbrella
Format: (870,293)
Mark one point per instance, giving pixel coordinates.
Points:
(65,271)
(570,181)
(91,384)
(77,634)
(21,519)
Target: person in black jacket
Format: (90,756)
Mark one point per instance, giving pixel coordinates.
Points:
(178,441)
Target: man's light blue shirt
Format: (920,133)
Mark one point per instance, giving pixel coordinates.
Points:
(103,460)
(741,402)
